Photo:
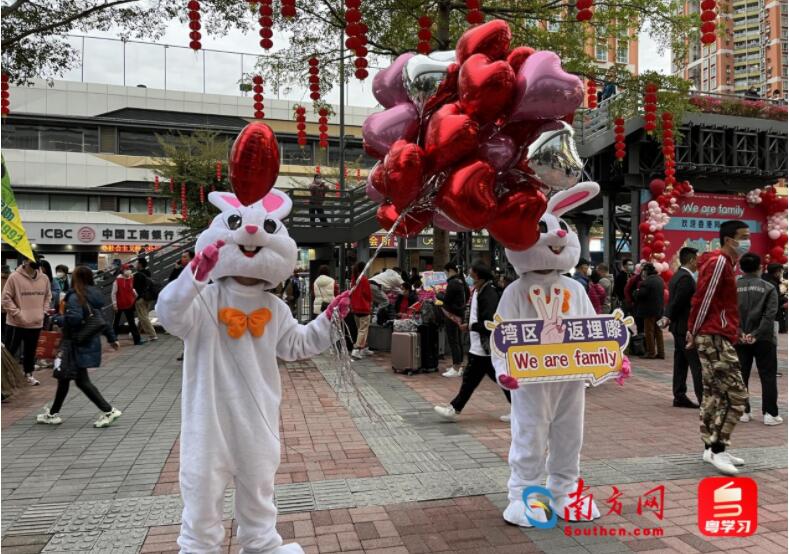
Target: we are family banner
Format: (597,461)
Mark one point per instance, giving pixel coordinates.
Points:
(698,220)
(12,230)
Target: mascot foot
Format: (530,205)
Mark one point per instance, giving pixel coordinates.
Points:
(292,548)
(516,514)
(587,511)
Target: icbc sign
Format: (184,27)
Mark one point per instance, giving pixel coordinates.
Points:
(86,234)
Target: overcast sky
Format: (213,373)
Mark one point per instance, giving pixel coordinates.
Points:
(145,64)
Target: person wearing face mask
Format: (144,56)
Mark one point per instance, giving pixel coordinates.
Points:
(680,292)
(61,276)
(124,298)
(27,296)
(713,329)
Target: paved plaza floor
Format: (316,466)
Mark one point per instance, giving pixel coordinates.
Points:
(401,482)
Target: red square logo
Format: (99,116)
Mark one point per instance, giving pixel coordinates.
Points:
(728,506)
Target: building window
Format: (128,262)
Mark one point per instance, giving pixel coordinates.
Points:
(355,155)
(601,50)
(68,202)
(59,139)
(138,205)
(139,143)
(23,137)
(622,51)
(293,154)
(28,201)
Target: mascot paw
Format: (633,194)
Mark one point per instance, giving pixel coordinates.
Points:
(341,303)
(587,511)
(206,260)
(516,514)
(508,382)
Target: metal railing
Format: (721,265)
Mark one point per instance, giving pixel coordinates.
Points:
(340,216)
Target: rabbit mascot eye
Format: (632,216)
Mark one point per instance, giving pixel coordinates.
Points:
(233,331)
(547,418)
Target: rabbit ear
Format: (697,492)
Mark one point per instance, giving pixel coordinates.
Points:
(564,201)
(225,201)
(277,204)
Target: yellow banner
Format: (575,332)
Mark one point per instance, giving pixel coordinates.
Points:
(595,361)
(12,230)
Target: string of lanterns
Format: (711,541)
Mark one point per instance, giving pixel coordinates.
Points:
(323,128)
(619,138)
(194,25)
(424,35)
(708,17)
(650,108)
(591,94)
(184,208)
(314,79)
(266,23)
(584,12)
(356,30)
(288,8)
(474,15)
(4,95)
(257,88)
(301,125)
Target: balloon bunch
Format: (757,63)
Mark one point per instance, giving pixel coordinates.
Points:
(776,210)
(473,138)
(664,203)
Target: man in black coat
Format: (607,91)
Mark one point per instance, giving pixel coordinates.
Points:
(649,306)
(680,291)
(455,299)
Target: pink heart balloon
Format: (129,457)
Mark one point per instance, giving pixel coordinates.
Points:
(381,130)
(442,221)
(543,90)
(372,192)
(499,150)
(388,86)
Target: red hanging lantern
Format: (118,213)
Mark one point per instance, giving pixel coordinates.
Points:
(669,162)
(591,94)
(301,125)
(173,206)
(184,210)
(708,18)
(5,94)
(218,170)
(156,184)
(315,87)
(650,107)
(194,25)
(172,185)
(323,128)
(257,88)
(357,37)
(474,15)
(266,23)
(150,205)
(424,34)
(619,138)
(584,12)
(288,8)
(202,194)
(317,170)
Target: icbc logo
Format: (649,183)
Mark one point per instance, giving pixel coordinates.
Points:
(728,506)
(86,234)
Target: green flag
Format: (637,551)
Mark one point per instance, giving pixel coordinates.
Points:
(13,231)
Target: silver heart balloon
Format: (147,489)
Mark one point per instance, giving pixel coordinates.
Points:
(422,76)
(553,158)
(442,55)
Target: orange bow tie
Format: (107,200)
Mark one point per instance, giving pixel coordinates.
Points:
(237,321)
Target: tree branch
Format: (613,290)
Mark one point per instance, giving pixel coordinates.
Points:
(52,26)
(7,11)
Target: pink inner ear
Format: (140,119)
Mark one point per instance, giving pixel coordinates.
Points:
(271,202)
(570,200)
(232,200)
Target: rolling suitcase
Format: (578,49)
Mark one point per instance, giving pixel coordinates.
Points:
(405,352)
(428,346)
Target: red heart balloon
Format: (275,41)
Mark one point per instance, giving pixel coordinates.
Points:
(403,169)
(467,196)
(411,224)
(377,178)
(491,38)
(516,223)
(518,55)
(254,163)
(485,87)
(451,136)
(656,187)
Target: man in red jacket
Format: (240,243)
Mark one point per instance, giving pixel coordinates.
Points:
(713,330)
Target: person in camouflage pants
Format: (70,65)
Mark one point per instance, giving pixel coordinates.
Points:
(725,394)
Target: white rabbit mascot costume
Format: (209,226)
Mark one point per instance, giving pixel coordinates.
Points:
(233,331)
(547,418)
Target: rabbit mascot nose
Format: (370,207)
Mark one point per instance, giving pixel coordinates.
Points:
(547,418)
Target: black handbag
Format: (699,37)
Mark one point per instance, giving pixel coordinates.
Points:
(91,326)
(65,364)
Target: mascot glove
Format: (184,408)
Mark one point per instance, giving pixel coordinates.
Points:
(205,261)
(508,382)
(342,303)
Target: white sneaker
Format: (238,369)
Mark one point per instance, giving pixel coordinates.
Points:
(773,420)
(447,412)
(452,372)
(707,457)
(47,418)
(516,514)
(356,354)
(106,419)
(505,418)
(153,338)
(723,463)
(32,381)
(366,352)
(745,418)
